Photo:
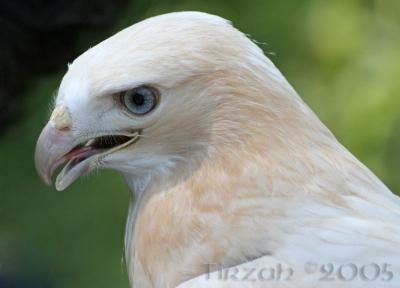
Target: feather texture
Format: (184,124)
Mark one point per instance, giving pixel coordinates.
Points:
(232,168)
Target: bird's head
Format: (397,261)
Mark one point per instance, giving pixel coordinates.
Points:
(165,91)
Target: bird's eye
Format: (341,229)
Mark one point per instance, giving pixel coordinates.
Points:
(140,100)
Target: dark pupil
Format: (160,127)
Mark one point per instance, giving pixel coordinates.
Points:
(138,99)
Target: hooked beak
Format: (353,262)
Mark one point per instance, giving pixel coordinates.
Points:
(57,145)
(51,145)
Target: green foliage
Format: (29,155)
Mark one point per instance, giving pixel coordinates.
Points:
(343,57)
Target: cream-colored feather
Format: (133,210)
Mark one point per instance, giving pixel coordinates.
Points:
(232,168)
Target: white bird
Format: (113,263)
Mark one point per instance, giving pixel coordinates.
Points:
(235,182)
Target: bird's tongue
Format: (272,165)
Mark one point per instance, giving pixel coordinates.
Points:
(78,164)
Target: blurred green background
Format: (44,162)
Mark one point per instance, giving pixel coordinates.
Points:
(343,57)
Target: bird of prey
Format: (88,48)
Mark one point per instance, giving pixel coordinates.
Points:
(235,182)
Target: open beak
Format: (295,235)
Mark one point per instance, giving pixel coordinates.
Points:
(56,146)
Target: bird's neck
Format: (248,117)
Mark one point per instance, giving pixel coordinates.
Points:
(228,205)
(200,221)
(208,217)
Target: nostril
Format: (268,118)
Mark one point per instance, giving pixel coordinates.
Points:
(61,118)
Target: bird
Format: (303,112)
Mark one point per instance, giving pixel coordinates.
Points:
(234,180)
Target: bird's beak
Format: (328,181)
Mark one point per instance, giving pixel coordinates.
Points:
(57,145)
(52,144)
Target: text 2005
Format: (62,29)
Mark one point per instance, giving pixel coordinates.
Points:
(350,271)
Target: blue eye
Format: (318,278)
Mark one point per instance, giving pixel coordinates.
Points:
(140,100)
